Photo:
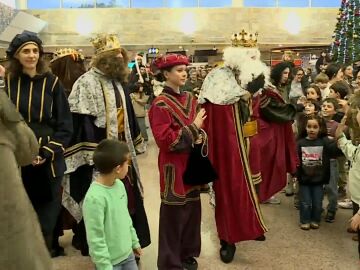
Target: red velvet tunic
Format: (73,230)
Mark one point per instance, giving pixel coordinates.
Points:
(171,117)
(237,212)
(274,145)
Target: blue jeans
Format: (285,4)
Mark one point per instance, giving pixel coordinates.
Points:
(128,264)
(332,187)
(311,198)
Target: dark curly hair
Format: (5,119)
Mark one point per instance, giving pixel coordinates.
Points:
(276,72)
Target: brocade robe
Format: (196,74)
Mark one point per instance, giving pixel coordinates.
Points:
(95,101)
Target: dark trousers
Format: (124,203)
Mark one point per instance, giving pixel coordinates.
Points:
(311,198)
(44,192)
(179,234)
(355,210)
(48,212)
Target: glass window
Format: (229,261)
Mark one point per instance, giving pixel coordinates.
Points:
(78,4)
(215,3)
(182,3)
(36,4)
(147,3)
(259,3)
(293,3)
(326,3)
(112,3)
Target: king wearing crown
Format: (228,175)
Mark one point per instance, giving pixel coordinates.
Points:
(237,97)
(102,109)
(225,97)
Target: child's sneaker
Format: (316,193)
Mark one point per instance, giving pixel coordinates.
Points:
(305,226)
(345,204)
(314,225)
(330,217)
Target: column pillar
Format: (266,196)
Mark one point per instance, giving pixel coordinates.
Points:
(237,3)
(21,4)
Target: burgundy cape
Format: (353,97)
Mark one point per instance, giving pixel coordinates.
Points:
(274,145)
(237,212)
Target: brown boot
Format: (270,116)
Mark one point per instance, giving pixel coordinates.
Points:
(350,230)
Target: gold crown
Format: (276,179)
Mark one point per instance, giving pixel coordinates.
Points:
(76,55)
(244,39)
(105,42)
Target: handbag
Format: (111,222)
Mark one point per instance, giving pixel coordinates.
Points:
(199,170)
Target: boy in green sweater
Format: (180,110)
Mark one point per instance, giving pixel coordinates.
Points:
(110,234)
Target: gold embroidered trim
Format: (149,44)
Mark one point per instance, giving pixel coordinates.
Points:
(77,147)
(30,100)
(58,144)
(245,162)
(186,108)
(42,99)
(52,90)
(18,94)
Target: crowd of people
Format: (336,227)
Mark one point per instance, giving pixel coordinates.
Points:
(76,134)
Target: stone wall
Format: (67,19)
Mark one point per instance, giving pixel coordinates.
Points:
(195,26)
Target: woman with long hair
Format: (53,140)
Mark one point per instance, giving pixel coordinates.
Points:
(41,100)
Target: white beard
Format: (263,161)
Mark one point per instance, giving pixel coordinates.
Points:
(247,61)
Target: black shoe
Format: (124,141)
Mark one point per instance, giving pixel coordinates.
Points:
(190,264)
(57,252)
(84,252)
(261,238)
(330,217)
(227,251)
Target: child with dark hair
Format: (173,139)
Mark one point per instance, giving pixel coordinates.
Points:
(335,73)
(311,108)
(339,90)
(110,233)
(314,150)
(313,92)
(328,111)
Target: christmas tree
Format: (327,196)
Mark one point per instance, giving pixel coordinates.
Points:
(345,47)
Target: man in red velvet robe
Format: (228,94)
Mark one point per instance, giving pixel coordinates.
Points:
(223,95)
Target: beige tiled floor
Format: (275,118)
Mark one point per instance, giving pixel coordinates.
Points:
(287,247)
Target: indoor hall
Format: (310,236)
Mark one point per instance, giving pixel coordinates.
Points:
(294,31)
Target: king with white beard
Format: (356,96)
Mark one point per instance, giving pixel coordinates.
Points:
(228,106)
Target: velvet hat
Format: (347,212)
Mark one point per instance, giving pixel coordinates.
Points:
(170,60)
(21,40)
